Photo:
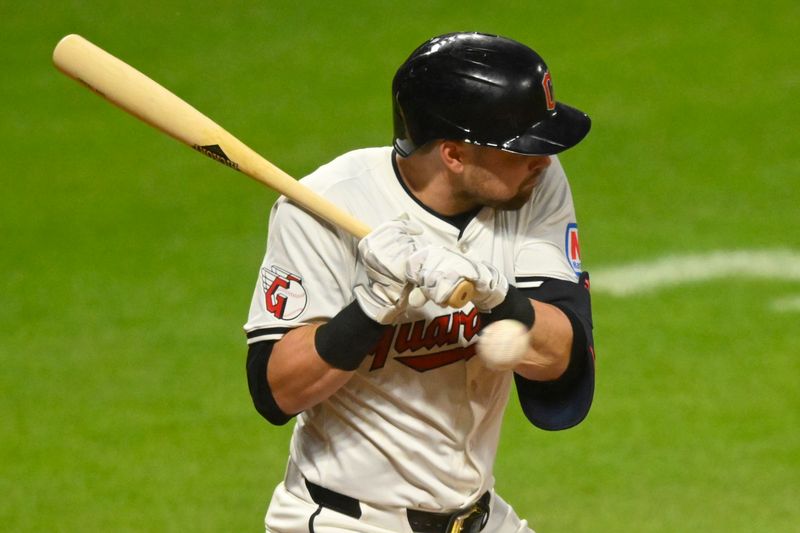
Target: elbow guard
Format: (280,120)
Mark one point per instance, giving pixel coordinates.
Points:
(565,402)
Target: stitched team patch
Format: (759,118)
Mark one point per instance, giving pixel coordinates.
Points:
(284,294)
(573,248)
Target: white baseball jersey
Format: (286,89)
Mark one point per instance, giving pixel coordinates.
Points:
(418,424)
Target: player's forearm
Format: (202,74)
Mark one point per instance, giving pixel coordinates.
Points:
(550,344)
(298,377)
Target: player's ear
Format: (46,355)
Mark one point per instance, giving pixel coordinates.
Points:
(452,155)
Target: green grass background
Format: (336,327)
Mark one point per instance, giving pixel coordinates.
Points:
(127,261)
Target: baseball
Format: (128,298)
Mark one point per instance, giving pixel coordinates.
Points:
(502,344)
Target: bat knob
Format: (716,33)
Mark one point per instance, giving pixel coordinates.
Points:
(462,294)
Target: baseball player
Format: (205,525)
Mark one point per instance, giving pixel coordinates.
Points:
(397,419)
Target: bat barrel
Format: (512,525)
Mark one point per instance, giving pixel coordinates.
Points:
(139,95)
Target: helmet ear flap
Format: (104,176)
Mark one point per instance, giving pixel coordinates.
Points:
(484,89)
(403,142)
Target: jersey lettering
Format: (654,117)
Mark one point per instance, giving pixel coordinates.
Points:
(443,330)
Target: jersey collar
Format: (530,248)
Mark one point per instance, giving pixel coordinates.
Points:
(459,221)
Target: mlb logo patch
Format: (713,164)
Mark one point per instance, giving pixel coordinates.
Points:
(573,248)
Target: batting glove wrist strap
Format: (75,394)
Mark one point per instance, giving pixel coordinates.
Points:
(347,339)
(515,305)
(382,303)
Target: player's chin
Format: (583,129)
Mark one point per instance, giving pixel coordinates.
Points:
(515,202)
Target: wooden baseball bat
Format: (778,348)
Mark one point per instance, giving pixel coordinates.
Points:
(135,93)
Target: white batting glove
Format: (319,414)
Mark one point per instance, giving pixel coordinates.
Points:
(438,270)
(384,253)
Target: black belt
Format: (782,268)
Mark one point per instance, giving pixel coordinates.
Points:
(471,519)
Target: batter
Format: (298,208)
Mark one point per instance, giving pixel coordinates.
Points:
(397,422)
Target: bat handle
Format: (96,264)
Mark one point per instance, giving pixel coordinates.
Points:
(462,294)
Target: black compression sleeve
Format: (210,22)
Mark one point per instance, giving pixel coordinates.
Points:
(258,355)
(347,338)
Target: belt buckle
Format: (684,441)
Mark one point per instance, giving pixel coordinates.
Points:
(457,522)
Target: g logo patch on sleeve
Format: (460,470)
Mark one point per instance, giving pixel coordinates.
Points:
(573,248)
(284,295)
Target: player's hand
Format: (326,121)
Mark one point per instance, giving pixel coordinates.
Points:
(384,253)
(438,270)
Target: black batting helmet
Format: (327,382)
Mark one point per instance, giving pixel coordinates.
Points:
(484,89)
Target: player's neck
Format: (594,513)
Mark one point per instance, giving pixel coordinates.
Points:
(431,184)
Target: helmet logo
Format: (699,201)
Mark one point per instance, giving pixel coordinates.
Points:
(547,85)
